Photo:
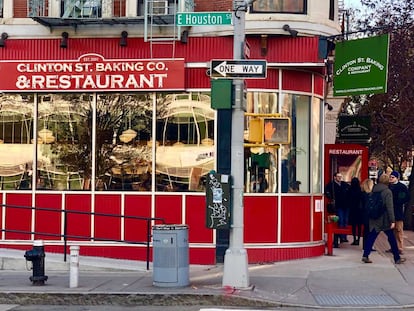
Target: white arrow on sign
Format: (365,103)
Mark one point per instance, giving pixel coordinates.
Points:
(224,69)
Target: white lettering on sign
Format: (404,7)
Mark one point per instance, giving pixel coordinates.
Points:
(349,152)
(224,68)
(92,72)
(91,82)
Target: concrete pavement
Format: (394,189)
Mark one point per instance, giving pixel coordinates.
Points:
(341,280)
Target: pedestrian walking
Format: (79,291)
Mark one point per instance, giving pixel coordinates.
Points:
(336,192)
(385,222)
(366,187)
(400,197)
(355,210)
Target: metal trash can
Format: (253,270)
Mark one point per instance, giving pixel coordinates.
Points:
(170,255)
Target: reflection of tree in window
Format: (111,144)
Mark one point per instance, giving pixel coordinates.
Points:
(64,157)
(123,154)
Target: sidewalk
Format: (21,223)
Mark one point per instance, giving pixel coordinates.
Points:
(341,280)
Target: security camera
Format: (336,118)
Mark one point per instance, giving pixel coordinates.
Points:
(329,106)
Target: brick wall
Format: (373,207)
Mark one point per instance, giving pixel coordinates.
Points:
(213,5)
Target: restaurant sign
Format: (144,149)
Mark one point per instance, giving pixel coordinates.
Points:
(92,72)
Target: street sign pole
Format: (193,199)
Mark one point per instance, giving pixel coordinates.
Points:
(236,273)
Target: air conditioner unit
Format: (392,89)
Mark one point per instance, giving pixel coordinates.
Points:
(159,7)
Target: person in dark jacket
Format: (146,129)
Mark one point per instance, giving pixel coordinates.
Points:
(355,209)
(366,187)
(384,223)
(336,191)
(400,197)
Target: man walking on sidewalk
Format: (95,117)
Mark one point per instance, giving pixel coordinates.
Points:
(385,222)
(400,197)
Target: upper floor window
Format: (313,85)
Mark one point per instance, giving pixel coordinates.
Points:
(1,8)
(157,7)
(81,9)
(280,6)
(332,10)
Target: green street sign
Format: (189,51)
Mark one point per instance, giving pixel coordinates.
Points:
(361,66)
(204,18)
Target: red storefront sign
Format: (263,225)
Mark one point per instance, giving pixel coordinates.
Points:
(92,72)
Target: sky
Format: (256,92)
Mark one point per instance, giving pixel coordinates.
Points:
(353,3)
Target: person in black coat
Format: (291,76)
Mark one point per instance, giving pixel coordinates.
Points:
(400,197)
(336,191)
(366,187)
(355,210)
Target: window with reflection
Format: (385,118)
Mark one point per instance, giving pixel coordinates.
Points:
(81,8)
(261,162)
(106,140)
(279,6)
(123,141)
(296,156)
(16,144)
(184,141)
(317,146)
(64,141)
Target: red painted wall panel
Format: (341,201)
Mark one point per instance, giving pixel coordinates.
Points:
(196,220)
(48,221)
(1,212)
(18,218)
(271,81)
(79,203)
(297,80)
(197,78)
(319,85)
(317,222)
(138,206)
(107,227)
(296,221)
(198,49)
(260,219)
(169,208)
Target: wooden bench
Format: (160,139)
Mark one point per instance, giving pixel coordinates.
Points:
(332,229)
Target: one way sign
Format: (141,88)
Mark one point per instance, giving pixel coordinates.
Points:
(233,69)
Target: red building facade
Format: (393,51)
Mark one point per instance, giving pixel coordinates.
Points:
(71,180)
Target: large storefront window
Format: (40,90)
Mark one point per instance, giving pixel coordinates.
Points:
(123,142)
(16,147)
(279,6)
(296,156)
(185,148)
(316,146)
(64,141)
(285,168)
(106,141)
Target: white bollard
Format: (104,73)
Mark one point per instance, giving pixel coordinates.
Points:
(74,266)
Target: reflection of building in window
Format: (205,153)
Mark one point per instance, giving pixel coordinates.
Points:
(185,131)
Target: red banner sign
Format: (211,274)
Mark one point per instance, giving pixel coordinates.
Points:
(91,72)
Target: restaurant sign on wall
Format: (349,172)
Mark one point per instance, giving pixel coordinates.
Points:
(92,72)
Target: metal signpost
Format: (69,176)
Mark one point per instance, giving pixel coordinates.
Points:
(236,273)
(204,18)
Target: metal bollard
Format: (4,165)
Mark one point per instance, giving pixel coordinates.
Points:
(74,266)
(37,257)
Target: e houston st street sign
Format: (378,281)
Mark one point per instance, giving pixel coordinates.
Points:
(204,18)
(254,69)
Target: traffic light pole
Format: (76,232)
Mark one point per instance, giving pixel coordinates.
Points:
(236,273)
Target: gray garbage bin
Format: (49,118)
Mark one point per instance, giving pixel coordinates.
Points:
(170,255)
